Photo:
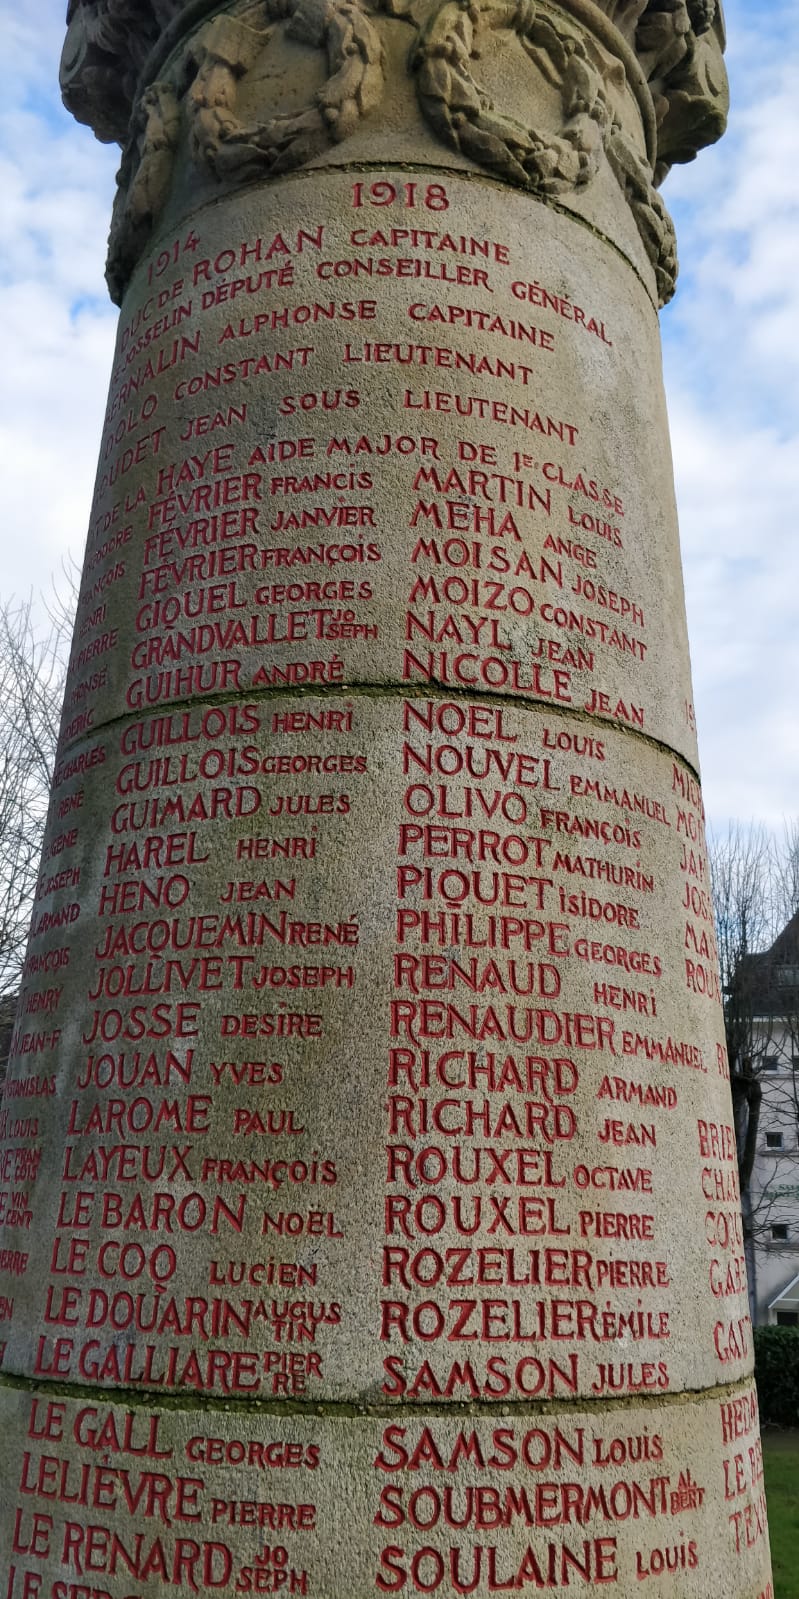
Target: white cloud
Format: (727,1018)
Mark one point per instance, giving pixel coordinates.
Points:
(733,383)
(56,323)
(730,360)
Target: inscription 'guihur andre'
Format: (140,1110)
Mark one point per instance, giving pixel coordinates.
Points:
(368,1188)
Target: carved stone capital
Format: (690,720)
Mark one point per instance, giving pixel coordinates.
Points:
(191,81)
(679,44)
(106,46)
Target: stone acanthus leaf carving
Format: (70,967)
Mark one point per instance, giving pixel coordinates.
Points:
(225,51)
(465,118)
(201,93)
(703,14)
(144,180)
(106,46)
(679,45)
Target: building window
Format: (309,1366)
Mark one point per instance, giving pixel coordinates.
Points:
(771,1063)
(787,976)
(795,1062)
(779,1231)
(787,1318)
(773,1140)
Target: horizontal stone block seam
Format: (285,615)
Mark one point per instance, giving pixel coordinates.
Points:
(386,691)
(147,1399)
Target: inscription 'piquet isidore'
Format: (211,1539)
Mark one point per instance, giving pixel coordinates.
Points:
(368,1192)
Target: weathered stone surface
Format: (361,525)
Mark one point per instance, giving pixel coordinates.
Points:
(368,1110)
(487,461)
(489,933)
(214,1502)
(245,92)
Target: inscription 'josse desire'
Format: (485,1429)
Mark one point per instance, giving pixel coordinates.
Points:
(371,1001)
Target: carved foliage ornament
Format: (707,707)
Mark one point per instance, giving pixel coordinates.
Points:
(106,46)
(226,50)
(463,116)
(679,45)
(143,182)
(201,91)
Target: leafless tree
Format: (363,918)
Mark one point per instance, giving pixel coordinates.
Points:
(34,655)
(755,882)
(743,871)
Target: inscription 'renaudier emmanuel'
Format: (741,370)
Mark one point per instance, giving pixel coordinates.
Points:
(367,1182)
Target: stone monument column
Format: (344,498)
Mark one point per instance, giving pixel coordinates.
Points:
(369,1207)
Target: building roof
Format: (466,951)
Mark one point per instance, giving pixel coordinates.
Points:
(788,1297)
(769,982)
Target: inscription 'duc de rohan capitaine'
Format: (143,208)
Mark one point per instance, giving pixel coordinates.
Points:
(368,1183)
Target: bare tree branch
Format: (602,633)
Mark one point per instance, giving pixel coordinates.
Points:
(33,663)
(755,883)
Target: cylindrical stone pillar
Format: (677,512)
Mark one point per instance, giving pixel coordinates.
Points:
(370,1220)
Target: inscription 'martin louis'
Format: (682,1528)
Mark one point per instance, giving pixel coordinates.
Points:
(367,1181)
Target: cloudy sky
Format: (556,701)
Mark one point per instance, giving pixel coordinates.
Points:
(732,367)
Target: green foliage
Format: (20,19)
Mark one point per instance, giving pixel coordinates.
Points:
(777,1374)
(781,1460)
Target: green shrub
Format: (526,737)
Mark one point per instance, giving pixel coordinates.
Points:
(777,1374)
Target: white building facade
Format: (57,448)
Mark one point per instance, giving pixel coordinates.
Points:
(769,990)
